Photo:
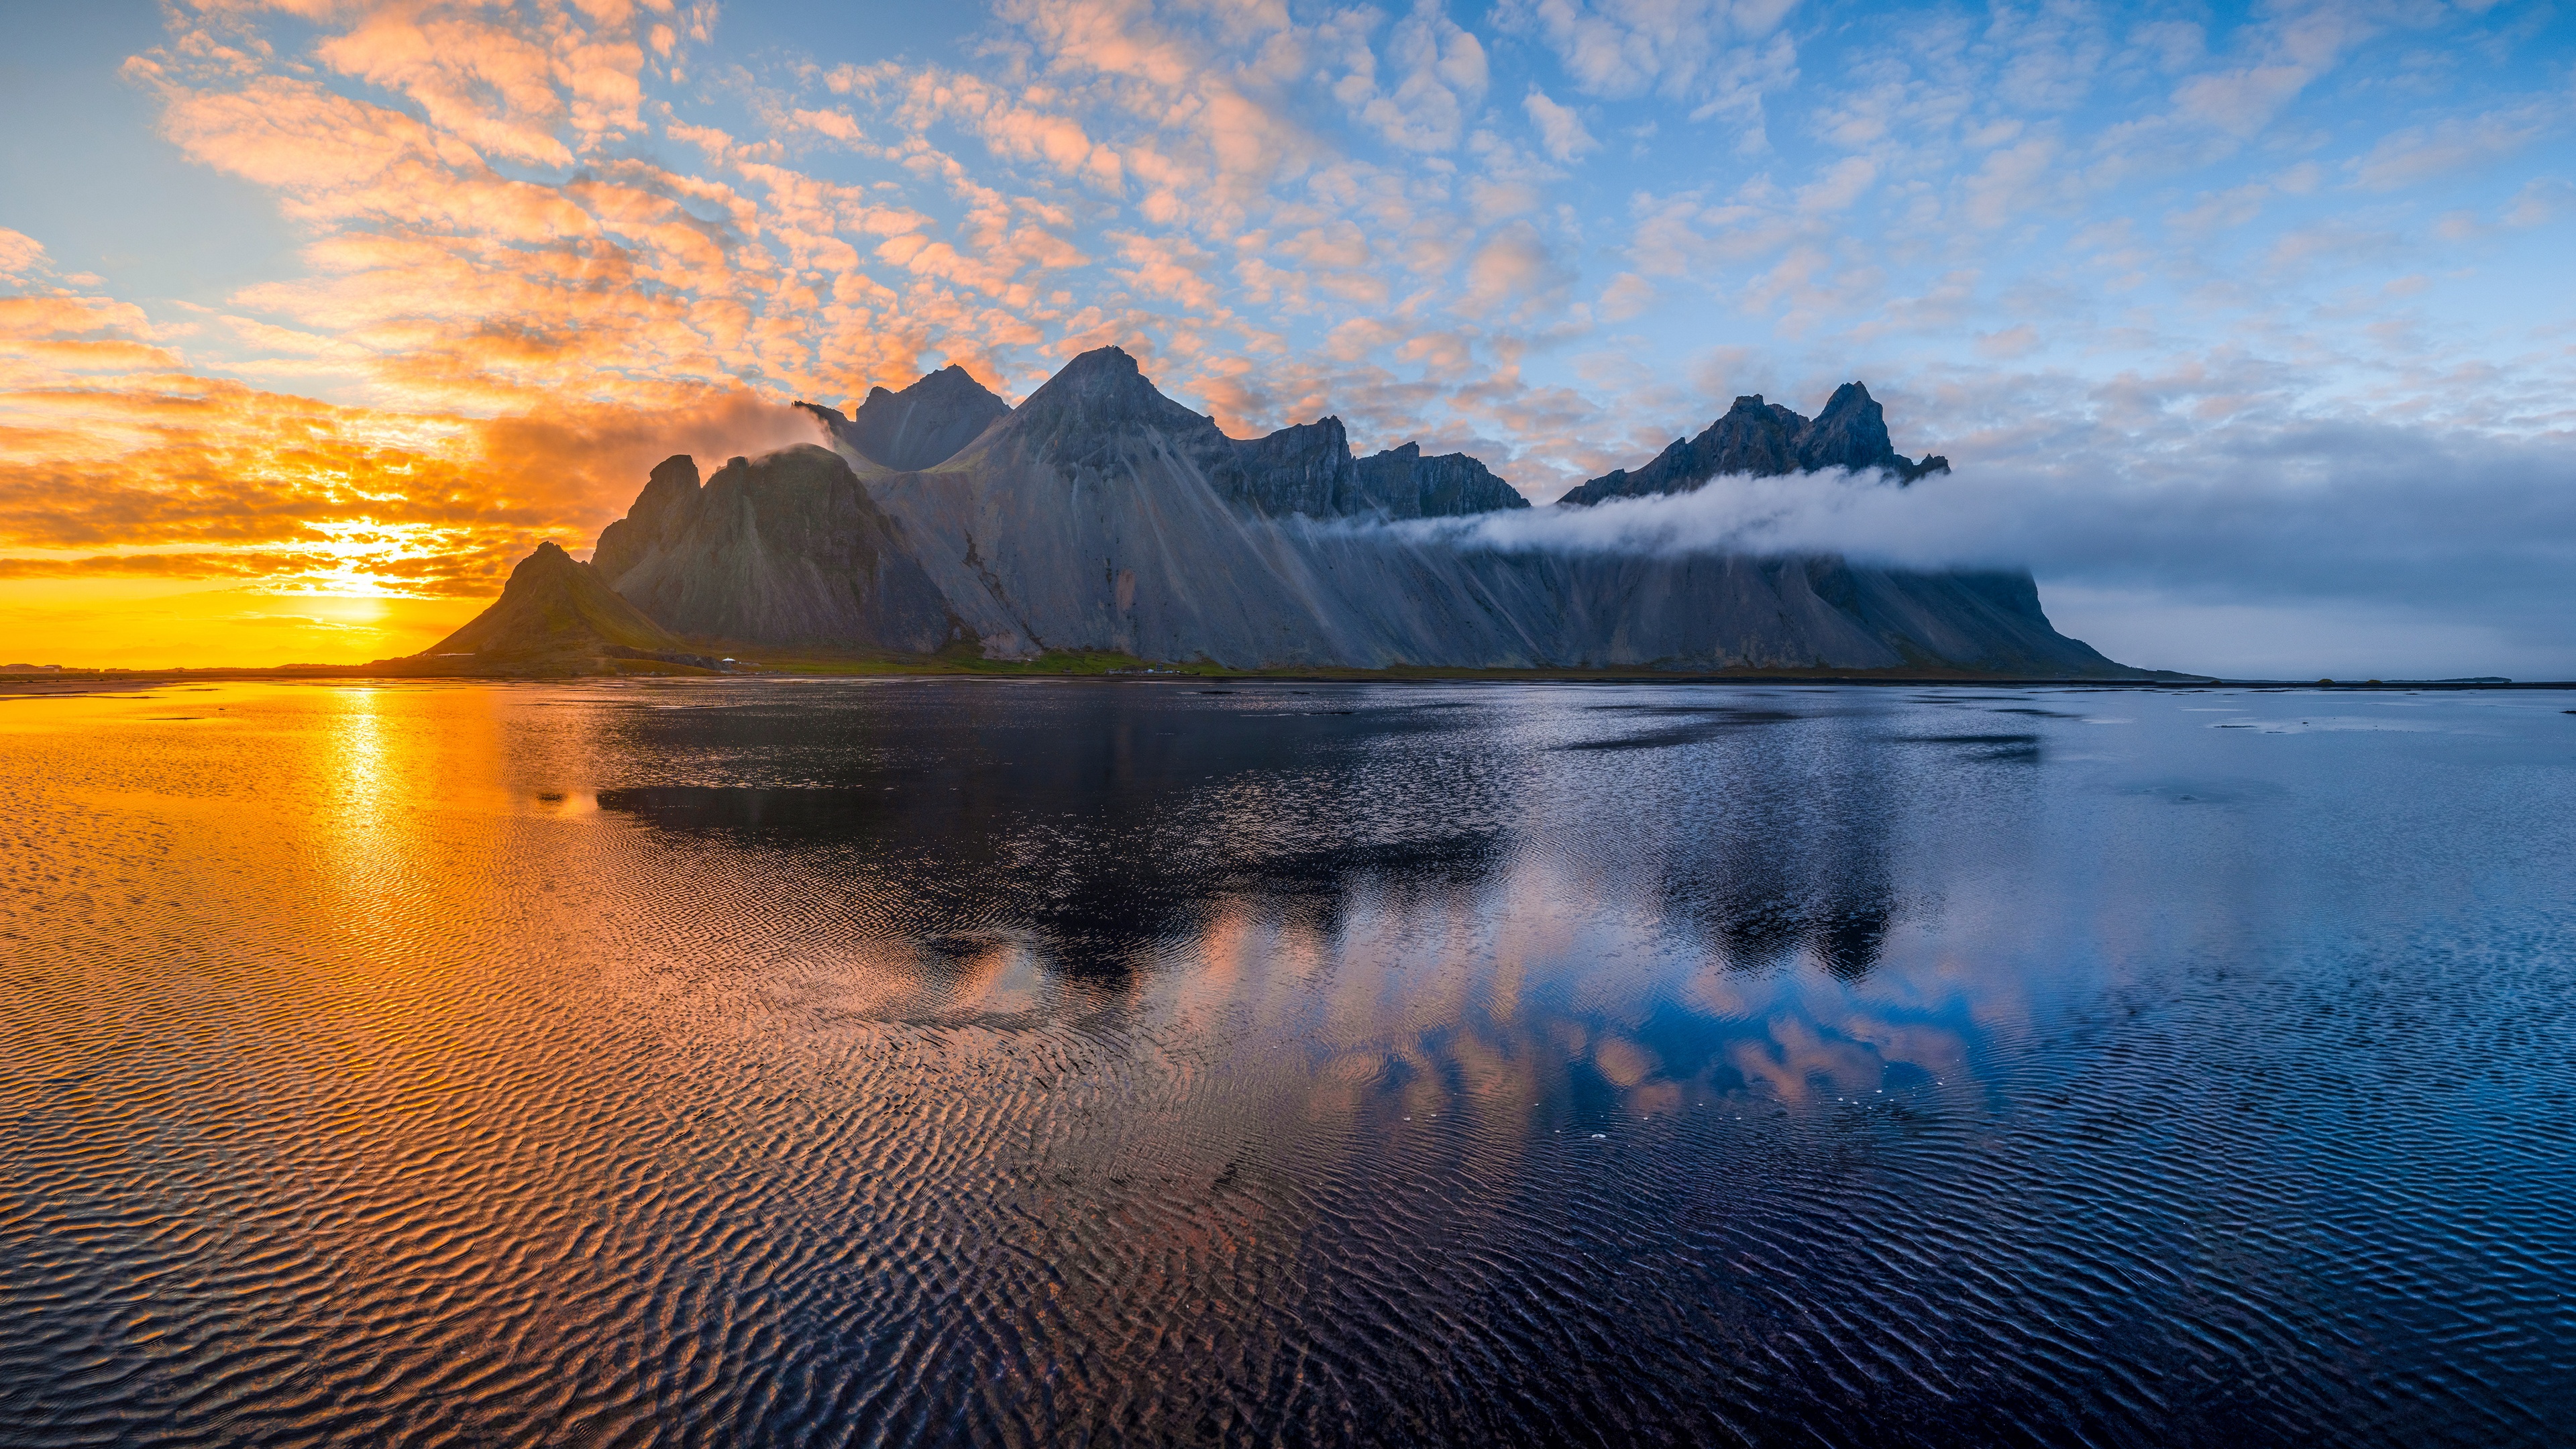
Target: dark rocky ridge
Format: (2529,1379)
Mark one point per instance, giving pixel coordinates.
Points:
(1401,483)
(920,427)
(1308,469)
(786,549)
(1304,469)
(1767,440)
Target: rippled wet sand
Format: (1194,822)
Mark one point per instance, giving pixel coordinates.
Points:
(819,1062)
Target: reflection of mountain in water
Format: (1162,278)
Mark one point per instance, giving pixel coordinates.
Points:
(1101,826)
(1777,840)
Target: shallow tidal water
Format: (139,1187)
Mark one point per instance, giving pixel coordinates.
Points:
(752,1062)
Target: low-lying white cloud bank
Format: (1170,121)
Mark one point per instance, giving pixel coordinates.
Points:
(2348,549)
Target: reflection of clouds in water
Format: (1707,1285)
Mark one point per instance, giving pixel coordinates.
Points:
(1795,1055)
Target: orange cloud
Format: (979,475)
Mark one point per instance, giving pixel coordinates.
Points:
(123,464)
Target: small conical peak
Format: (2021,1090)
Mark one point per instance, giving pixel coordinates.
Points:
(549,559)
(924,424)
(952,381)
(554,605)
(1406,451)
(1750,403)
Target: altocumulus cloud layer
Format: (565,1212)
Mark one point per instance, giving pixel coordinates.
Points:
(2248,330)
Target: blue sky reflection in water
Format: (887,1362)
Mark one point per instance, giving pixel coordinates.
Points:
(826,1061)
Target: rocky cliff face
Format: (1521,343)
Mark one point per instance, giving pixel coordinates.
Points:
(786,549)
(1302,469)
(1768,440)
(1401,483)
(920,427)
(1308,470)
(1101,515)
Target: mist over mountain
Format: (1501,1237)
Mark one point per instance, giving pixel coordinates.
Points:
(1101,515)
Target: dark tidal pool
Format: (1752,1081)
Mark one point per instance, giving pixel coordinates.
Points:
(1045,1062)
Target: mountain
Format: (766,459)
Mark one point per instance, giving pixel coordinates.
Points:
(555,611)
(920,427)
(1401,483)
(1768,440)
(1308,470)
(786,549)
(1100,515)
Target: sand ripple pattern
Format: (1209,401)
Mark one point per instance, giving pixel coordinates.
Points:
(856,1063)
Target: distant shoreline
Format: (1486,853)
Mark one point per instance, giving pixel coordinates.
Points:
(71,681)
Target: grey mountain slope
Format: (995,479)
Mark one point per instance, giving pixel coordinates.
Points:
(1102,515)
(1768,440)
(786,549)
(920,427)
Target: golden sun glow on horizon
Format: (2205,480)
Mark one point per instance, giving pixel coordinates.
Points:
(161,623)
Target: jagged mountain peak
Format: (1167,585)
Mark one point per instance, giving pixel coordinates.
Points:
(1852,433)
(922,426)
(951,381)
(1401,483)
(740,558)
(1095,402)
(1098,403)
(673,471)
(1765,439)
(1105,378)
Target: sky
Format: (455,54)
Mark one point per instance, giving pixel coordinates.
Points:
(2251,330)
